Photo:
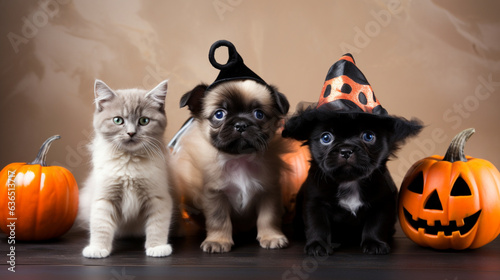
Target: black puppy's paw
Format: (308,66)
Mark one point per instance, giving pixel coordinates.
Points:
(317,248)
(373,247)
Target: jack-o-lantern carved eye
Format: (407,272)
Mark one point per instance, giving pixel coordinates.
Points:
(417,185)
(460,188)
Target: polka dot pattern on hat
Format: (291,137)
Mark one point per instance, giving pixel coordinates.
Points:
(344,81)
(361,95)
(346,88)
(327,91)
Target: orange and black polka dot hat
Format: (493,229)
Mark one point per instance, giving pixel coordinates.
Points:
(346,89)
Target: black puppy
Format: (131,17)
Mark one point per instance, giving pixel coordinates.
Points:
(349,195)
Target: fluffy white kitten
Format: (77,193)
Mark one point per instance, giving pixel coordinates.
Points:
(127,192)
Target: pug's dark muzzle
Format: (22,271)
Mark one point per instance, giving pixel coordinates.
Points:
(240,137)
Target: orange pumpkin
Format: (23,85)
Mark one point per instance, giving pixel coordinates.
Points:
(40,201)
(451,202)
(292,178)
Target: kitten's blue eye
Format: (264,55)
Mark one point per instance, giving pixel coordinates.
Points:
(220,114)
(368,136)
(326,138)
(258,114)
(118,120)
(143,121)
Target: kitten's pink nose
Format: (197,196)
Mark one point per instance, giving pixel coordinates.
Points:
(131,134)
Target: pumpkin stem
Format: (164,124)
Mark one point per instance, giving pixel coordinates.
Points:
(42,153)
(455,151)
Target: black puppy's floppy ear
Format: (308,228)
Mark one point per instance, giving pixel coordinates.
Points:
(298,127)
(401,130)
(193,99)
(281,101)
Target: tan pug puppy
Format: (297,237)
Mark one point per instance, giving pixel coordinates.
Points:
(227,161)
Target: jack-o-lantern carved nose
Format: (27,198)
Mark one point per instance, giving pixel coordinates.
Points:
(433,203)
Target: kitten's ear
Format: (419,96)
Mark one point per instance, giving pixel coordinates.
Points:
(102,94)
(193,99)
(159,93)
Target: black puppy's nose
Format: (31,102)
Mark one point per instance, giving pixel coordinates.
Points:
(346,153)
(240,126)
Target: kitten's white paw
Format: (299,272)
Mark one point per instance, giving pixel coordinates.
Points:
(159,251)
(95,252)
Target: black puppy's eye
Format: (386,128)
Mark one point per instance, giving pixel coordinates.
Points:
(219,114)
(368,136)
(258,114)
(326,138)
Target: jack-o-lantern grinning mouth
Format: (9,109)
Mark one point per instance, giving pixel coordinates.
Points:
(469,223)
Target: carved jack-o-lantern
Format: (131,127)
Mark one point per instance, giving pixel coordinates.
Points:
(451,202)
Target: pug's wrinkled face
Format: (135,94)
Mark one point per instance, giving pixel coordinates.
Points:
(241,116)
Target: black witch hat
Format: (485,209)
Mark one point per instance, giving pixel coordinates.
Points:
(234,69)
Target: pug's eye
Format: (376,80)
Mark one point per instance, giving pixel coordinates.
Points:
(368,137)
(258,114)
(118,120)
(326,138)
(219,114)
(143,121)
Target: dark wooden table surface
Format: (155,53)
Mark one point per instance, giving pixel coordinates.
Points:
(62,259)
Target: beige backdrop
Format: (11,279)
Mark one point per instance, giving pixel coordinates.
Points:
(435,60)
